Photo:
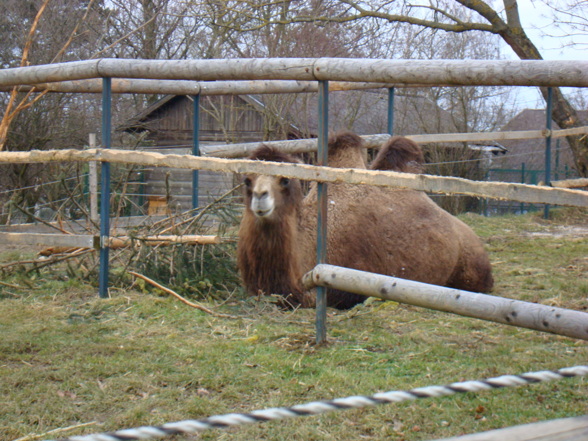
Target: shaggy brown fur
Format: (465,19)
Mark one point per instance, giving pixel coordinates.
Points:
(399,154)
(267,252)
(387,231)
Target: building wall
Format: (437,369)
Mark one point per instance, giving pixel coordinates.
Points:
(223,119)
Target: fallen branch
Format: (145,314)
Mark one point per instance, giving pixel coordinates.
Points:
(118,242)
(10,285)
(54,431)
(179,297)
(40,263)
(38,219)
(126,241)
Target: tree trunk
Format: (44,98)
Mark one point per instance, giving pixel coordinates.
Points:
(566,117)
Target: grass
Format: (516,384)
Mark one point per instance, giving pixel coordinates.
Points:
(139,358)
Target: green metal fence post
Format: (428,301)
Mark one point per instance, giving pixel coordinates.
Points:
(557,147)
(391,111)
(321,248)
(105,189)
(523,177)
(195,146)
(548,145)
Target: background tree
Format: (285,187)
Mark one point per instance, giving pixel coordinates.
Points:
(53,32)
(503,21)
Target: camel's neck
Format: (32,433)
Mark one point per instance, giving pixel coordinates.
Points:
(347,158)
(269,256)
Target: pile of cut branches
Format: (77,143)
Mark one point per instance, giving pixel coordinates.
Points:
(192,252)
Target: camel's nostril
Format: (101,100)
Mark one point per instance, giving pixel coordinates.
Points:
(261,195)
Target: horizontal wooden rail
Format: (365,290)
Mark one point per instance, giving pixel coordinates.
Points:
(204,88)
(570,73)
(563,429)
(482,306)
(570,183)
(296,146)
(428,183)
(53,239)
(90,241)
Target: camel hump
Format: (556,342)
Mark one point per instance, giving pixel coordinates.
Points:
(344,140)
(399,154)
(268,153)
(346,150)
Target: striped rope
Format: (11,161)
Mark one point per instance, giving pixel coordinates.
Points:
(319,407)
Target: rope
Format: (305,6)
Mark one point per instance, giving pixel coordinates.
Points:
(319,407)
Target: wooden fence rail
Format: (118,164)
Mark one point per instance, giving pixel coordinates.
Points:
(93,241)
(296,146)
(570,183)
(482,306)
(563,429)
(541,73)
(204,88)
(52,239)
(428,183)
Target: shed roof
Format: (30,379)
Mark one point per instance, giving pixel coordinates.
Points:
(364,112)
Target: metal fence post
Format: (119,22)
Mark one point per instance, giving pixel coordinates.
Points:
(523,178)
(93,182)
(195,146)
(391,111)
(321,247)
(557,147)
(548,145)
(105,189)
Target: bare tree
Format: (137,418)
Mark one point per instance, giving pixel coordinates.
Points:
(36,120)
(569,22)
(58,38)
(147,29)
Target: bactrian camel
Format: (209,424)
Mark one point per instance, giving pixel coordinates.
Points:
(395,232)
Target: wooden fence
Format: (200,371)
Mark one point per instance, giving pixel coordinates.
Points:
(130,77)
(275,75)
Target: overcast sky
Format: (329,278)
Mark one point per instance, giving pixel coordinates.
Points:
(537,20)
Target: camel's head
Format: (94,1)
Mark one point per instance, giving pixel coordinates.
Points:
(270,198)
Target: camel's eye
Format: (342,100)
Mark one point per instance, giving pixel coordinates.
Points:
(284,182)
(247,182)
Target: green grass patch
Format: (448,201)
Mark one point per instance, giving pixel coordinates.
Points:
(140,358)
